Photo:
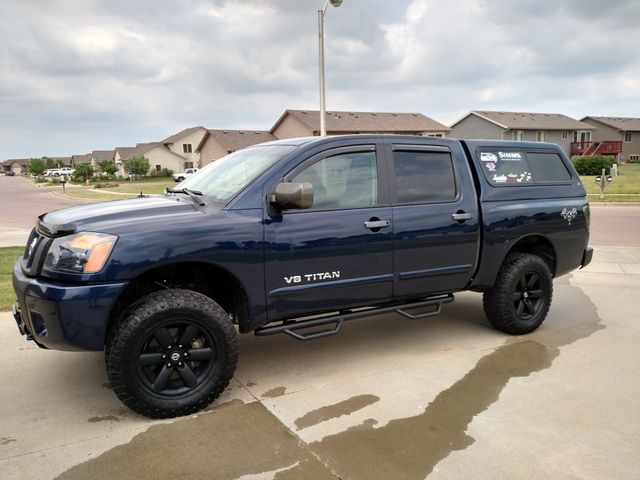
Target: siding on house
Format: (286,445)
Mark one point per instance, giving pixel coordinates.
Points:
(289,127)
(473,126)
(616,129)
(218,143)
(553,127)
(158,155)
(190,136)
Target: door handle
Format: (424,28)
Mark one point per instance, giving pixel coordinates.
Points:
(373,224)
(461,216)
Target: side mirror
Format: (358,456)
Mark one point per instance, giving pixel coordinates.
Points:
(293,196)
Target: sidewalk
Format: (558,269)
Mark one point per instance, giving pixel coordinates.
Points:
(14,237)
(608,259)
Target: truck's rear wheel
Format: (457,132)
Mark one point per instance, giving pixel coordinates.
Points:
(520,299)
(172,354)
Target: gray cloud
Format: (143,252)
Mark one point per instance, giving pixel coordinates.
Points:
(96,74)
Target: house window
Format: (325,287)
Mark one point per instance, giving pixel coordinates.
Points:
(158,168)
(188,165)
(541,136)
(627,137)
(186,148)
(565,135)
(634,157)
(437,135)
(585,136)
(517,135)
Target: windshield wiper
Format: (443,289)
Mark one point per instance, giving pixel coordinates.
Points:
(194,194)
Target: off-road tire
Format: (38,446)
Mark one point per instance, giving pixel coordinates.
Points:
(204,364)
(520,299)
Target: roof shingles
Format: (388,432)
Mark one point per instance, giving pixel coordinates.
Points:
(232,140)
(531,121)
(367,122)
(624,124)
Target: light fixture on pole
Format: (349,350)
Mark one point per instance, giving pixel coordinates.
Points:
(335,3)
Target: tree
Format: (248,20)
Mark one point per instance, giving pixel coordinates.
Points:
(84,171)
(108,167)
(50,163)
(37,166)
(137,165)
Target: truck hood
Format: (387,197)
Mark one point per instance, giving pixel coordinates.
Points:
(111,217)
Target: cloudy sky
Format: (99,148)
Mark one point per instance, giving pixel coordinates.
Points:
(78,75)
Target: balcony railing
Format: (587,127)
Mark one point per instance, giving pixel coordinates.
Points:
(596,148)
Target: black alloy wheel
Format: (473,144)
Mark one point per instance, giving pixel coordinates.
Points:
(528,297)
(176,358)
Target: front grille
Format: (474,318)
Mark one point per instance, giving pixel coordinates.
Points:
(34,253)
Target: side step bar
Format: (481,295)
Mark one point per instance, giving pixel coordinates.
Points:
(291,327)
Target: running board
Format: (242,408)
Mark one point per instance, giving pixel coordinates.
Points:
(291,327)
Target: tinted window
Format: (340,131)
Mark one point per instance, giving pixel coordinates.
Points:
(547,167)
(424,177)
(512,167)
(347,180)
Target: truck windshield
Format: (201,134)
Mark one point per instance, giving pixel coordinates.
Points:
(224,178)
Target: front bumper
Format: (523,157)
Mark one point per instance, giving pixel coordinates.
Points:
(586,257)
(61,316)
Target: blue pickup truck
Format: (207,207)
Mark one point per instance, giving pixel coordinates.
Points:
(298,236)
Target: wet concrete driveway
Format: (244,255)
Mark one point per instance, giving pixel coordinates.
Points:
(388,398)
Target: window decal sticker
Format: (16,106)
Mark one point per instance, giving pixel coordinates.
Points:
(488,157)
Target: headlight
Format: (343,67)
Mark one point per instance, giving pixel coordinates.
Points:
(84,252)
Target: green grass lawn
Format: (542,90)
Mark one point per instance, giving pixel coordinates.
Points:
(125,189)
(625,187)
(8,256)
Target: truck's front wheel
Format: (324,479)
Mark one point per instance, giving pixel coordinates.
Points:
(520,299)
(172,354)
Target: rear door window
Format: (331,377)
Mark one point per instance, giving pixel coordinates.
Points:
(424,177)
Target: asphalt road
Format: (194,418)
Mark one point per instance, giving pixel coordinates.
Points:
(615,224)
(22,201)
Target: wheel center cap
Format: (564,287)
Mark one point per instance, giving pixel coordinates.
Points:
(525,295)
(175,356)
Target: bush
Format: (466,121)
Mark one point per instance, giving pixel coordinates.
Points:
(137,165)
(587,165)
(106,185)
(37,166)
(82,173)
(55,180)
(165,172)
(40,179)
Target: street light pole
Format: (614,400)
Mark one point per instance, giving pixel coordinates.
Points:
(321,12)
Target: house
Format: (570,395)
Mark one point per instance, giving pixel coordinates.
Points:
(522,126)
(159,156)
(620,135)
(218,143)
(98,156)
(184,144)
(62,161)
(78,159)
(15,165)
(306,123)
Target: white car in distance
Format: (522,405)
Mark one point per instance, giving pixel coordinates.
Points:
(178,177)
